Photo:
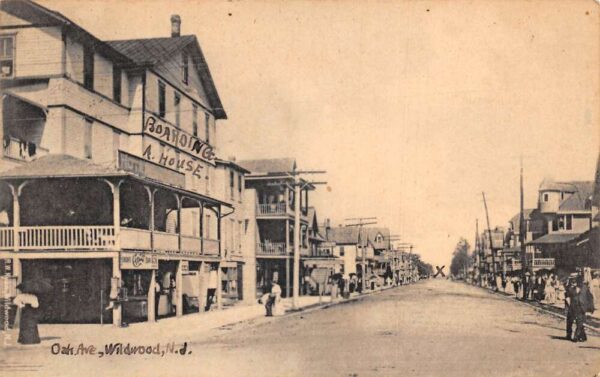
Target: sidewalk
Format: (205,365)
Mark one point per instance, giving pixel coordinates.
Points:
(558,308)
(165,330)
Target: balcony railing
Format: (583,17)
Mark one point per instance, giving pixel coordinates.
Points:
(166,241)
(271,209)
(102,238)
(6,238)
(138,239)
(211,247)
(21,150)
(271,248)
(66,237)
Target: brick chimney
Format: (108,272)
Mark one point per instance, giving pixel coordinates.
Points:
(175,26)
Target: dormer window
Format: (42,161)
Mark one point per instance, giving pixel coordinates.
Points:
(7,43)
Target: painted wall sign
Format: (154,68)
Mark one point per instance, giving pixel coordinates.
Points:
(138,261)
(181,164)
(147,169)
(179,139)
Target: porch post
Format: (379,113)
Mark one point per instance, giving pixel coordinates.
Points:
(201,224)
(179,290)
(219,227)
(287,252)
(115,188)
(151,193)
(16,193)
(117,309)
(179,200)
(219,292)
(152,298)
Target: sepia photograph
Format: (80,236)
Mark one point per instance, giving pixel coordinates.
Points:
(300,188)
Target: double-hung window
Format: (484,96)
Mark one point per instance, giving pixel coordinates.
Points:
(7,54)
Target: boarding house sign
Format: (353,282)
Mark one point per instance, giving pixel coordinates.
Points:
(179,139)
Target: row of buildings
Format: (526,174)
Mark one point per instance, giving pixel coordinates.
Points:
(561,235)
(112,183)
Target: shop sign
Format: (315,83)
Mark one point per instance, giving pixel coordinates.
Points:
(148,169)
(138,261)
(185,266)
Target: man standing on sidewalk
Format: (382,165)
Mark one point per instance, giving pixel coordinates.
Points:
(212,287)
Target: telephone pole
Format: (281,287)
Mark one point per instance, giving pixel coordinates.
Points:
(522,227)
(487,217)
(362,221)
(299,185)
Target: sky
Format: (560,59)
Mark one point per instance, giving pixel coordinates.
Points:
(413,108)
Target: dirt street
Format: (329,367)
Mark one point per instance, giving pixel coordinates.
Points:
(433,328)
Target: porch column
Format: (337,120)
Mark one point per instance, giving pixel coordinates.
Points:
(152,298)
(151,193)
(201,224)
(115,188)
(117,309)
(219,227)
(179,290)
(16,193)
(179,200)
(219,286)
(288,260)
(287,252)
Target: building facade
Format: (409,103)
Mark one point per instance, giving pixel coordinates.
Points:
(110,184)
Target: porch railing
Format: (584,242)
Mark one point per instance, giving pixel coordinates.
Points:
(271,209)
(271,248)
(211,247)
(21,150)
(66,237)
(6,238)
(191,244)
(166,241)
(138,239)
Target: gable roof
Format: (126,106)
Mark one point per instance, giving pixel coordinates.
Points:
(516,219)
(580,199)
(40,15)
(149,52)
(269,165)
(344,235)
(370,234)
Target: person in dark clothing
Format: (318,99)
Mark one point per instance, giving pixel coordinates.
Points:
(28,325)
(571,293)
(526,286)
(584,303)
(157,292)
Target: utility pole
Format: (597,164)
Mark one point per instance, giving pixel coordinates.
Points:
(487,217)
(522,228)
(362,221)
(299,185)
(478,251)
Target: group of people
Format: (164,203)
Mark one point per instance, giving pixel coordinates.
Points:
(580,293)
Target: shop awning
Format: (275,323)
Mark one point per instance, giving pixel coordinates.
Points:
(554,238)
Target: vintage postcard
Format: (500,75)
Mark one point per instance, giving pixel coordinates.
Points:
(300,188)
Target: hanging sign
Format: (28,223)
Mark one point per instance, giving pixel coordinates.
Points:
(138,261)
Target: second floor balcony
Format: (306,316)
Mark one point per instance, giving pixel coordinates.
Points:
(271,209)
(99,209)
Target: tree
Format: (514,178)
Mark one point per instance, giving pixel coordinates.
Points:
(460,258)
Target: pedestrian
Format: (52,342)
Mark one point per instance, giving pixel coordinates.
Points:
(157,292)
(273,300)
(595,288)
(582,303)
(571,293)
(212,288)
(550,290)
(28,325)
(526,285)
(503,282)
